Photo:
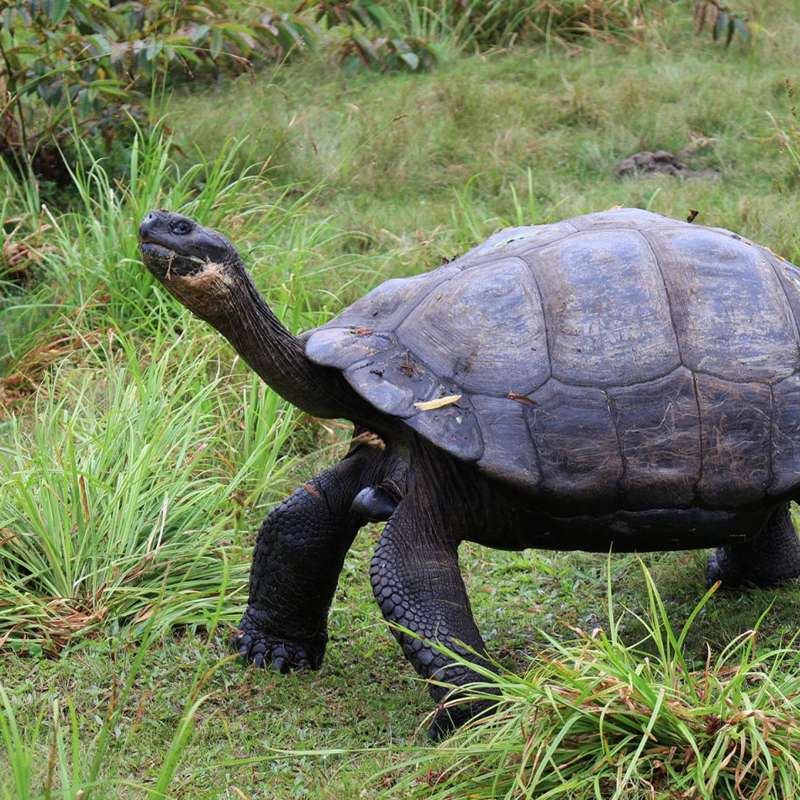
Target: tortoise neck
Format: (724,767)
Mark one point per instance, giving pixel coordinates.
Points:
(279,358)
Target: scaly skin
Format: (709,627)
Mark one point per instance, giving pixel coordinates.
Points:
(296,565)
(768,559)
(417,583)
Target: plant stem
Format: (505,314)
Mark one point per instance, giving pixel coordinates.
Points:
(12,88)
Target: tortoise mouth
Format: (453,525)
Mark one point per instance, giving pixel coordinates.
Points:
(150,248)
(166,262)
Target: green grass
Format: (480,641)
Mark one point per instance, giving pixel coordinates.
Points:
(602,716)
(138,455)
(410,158)
(76,766)
(113,496)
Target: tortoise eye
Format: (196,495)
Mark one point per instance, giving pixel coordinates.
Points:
(181,227)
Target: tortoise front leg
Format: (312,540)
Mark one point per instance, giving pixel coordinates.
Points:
(296,564)
(418,585)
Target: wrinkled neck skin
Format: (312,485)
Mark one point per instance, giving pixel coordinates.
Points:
(231,303)
(280,359)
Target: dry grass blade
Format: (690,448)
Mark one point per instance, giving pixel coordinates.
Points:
(20,251)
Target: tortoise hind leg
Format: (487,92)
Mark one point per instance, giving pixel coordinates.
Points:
(771,557)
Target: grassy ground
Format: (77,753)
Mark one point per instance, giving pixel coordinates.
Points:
(137,456)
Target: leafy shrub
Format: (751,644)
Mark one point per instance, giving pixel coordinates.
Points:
(491,23)
(723,23)
(387,53)
(389,50)
(88,63)
(358,12)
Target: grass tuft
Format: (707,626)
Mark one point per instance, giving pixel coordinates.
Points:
(118,494)
(597,717)
(135,445)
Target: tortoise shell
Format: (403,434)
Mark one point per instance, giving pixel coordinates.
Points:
(617,354)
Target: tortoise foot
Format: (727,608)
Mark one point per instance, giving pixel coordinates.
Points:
(266,650)
(447,720)
(737,573)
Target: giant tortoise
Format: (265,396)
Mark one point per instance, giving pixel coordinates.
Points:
(619,380)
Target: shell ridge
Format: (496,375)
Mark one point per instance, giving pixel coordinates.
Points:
(660,268)
(613,412)
(761,381)
(541,245)
(700,448)
(501,246)
(770,463)
(767,257)
(540,298)
(576,442)
(709,373)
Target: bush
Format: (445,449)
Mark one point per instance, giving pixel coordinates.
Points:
(91,64)
(372,37)
(723,22)
(490,23)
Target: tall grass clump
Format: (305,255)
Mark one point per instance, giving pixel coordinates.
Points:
(122,490)
(88,274)
(482,24)
(598,717)
(137,445)
(84,264)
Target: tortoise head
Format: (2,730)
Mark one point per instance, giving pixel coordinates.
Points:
(198,265)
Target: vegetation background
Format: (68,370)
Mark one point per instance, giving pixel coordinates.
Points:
(338,145)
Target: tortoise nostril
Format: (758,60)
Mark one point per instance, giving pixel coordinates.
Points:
(147,224)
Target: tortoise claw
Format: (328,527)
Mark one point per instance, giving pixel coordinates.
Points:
(447,719)
(263,649)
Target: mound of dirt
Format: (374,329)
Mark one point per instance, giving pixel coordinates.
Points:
(660,162)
